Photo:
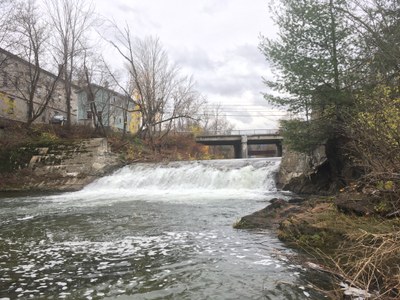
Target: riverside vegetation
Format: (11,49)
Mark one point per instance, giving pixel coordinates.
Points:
(342,87)
(361,251)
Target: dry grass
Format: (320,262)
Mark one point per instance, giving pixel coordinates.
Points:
(371,261)
(362,251)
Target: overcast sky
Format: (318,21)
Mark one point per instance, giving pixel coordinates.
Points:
(216,41)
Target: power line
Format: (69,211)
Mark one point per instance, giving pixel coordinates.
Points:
(250,116)
(242,115)
(248,111)
(233,105)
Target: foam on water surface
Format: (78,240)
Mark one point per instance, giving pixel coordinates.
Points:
(181,182)
(148,231)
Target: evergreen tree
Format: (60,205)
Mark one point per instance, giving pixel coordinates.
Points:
(315,61)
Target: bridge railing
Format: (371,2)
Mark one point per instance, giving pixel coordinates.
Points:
(241,132)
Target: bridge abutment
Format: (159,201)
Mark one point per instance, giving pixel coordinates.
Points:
(244,147)
(279,149)
(237,150)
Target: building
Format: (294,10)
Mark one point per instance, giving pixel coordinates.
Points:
(15,81)
(108,108)
(112,109)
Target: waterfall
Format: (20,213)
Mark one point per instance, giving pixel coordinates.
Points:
(175,181)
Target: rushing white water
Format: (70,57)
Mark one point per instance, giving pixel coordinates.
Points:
(183,181)
(149,231)
(229,175)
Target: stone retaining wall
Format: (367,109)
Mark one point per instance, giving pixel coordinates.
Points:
(68,167)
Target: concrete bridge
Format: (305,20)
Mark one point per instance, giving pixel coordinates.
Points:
(240,139)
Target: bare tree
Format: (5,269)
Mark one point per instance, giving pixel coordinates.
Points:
(6,28)
(183,107)
(35,86)
(162,94)
(71,20)
(186,101)
(94,80)
(6,23)
(129,102)
(214,120)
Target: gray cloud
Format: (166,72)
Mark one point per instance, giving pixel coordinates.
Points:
(233,85)
(237,81)
(125,8)
(250,53)
(215,41)
(196,60)
(142,17)
(214,76)
(215,6)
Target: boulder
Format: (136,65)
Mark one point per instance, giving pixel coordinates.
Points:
(305,174)
(270,216)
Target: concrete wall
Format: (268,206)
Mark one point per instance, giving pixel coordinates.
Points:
(70,167)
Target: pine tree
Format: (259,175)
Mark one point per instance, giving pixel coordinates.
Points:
(315,61)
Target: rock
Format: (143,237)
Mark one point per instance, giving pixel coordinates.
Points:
(353,206)
(296,200)
(269,216)
(305,174)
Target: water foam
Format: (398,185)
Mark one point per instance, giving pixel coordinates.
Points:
(180,181)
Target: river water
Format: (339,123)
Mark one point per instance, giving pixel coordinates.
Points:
(149,231)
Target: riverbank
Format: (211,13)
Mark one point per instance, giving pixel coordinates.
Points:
(57,166)
(47,158)
(359,248)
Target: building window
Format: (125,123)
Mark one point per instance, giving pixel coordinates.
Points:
(89,115)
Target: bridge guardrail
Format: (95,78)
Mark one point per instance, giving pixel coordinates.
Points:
(242,132)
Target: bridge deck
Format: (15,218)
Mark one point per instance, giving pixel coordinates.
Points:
(237,139)
(240,142)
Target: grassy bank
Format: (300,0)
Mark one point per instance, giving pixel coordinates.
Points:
(362,251)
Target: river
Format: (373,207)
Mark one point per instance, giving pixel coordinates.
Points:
(149,231)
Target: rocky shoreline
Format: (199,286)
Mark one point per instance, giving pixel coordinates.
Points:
(348,244)
(351,233)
